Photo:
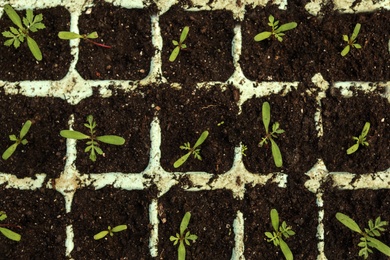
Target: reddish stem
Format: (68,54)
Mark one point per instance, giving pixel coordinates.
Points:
(98,44)
(10,225)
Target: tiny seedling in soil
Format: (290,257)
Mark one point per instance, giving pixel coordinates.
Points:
(7,232)
(110,231)
(266,112)
(31,24)
(279,232)
(351,41)
(183,237)
(368,240)
(194,150)
(71,36)
(361,140)
(277,31)
(92,144)
(180,45)
(18,140)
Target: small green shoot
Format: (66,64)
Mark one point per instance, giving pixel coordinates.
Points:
(361,140)
(266,112)
(92,144)
(194,150)
(63,35)
(279,232)
(180,45)
(31,24)
(110,231)
(243,149)
(277,31)
(184,237)
(351,41)
(18,140)
(368,240)
(7,232)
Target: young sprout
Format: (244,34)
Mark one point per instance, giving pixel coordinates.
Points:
(184,237)
(31,23)
(7,232)
(277,31)
(351,41)
(279,232)
(18,140)
(71,36)
(243,149)
(368,240)
(179,45)
(266,112)
(110,231)
(194,150)
(92,144)
(361,140)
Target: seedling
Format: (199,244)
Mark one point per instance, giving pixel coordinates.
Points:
(31,24)
(110,231)
(18,140)
(279,232)
(92,144)
(194,150)
(351,41)
(7,232)
(368,240)
(361,140)
(183,237)
(71,36)
(277,31)
(266,112)
(179,44)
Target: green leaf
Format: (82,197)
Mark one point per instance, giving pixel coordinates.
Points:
(181,160)
(181,251)
(174,54)
(348,222)
(8,34)
(357,45)
(174,42)
(266,113)
(9,42)
(201,139)
(276,154)
(92,35)
(379,245)
(184,33)
(353,148)
(3,215)
(275,219)
(73,134)
(262,36)
(10,234)
(10,150)
(355,31)
(68,35)
(269,235)
(366,128)
(286,250)
(98,150)
(34,48)
(345,50)
(29,16)
(192,237)
(111,139)
(100,235)
(119,228)
(286,27)
(184,223)
(17,42)
(25,129)
(15,18)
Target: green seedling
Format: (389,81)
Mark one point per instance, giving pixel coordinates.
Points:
(277,31)
(7,232)
(361,140)
(351,41)
(266,112)
(279,232)
(110,231)
(92,144)
(368,240)
(194,150)
(180,45)
(243,149)
(30,23)
(184,237)
(18,140)
(71,36)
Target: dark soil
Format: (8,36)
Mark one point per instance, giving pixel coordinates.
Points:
(39,217)
(20,64)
